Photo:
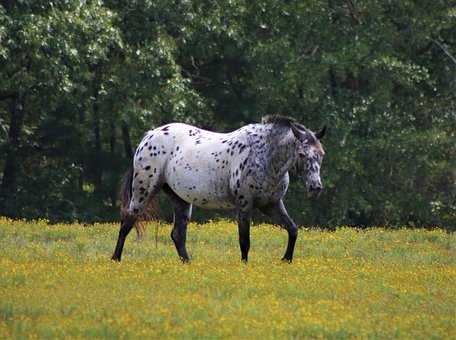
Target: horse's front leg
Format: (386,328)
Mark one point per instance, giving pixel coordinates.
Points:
(244,234)
(280,216)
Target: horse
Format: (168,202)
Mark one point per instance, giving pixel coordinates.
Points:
(241,170)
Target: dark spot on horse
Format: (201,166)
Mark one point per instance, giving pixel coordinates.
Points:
(238,184)
(163,152)
(150,147)
(141,182)
(177,148)
(141,199)
(166,128)
(146,144)
(135,210)
(155,170)
(147,168)
(136,174)
(241,197)
(140,158)
(166,133)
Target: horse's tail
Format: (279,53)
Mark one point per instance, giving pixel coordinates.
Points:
(150,211)
(125,198)
(126,191)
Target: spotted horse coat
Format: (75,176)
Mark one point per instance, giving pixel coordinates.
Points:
(244,169)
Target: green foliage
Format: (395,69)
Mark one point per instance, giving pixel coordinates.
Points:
(79,79)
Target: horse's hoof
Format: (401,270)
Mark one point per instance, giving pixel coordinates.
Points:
(287,260)
(115,259)
(185,260)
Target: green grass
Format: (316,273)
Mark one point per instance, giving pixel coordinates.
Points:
(57,281)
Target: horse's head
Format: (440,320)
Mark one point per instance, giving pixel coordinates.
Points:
(310,154)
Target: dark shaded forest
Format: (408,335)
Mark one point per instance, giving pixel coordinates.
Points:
(81,81)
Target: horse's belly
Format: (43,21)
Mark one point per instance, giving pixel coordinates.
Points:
(201,189)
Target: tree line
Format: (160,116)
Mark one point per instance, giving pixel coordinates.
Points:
(81,81)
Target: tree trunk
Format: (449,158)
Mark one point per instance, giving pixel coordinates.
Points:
(333,84)
(17,112)
(98,163)
(127,141)
(112,143)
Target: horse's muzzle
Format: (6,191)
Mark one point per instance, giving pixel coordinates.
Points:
(315,192)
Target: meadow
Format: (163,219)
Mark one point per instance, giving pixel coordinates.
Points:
(57,281)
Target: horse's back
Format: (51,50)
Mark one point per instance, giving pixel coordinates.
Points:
(199,169)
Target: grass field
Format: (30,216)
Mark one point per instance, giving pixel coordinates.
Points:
(58,281)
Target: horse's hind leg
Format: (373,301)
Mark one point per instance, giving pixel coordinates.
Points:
(125,228)
(182,214)
(280,216)
(144,185)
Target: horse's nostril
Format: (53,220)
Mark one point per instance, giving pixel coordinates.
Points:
(316,190)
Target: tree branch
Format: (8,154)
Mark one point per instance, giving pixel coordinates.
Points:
(453,59)
(7,95)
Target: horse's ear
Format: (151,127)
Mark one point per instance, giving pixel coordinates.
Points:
(297,133)
(321,134)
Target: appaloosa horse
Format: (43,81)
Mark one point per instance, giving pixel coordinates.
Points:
(244,169)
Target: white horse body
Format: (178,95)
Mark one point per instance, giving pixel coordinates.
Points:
(242,170)
(196,164)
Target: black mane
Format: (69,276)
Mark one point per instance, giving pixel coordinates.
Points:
(283,121)
(278,119)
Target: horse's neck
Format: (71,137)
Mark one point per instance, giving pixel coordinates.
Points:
(282,154)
